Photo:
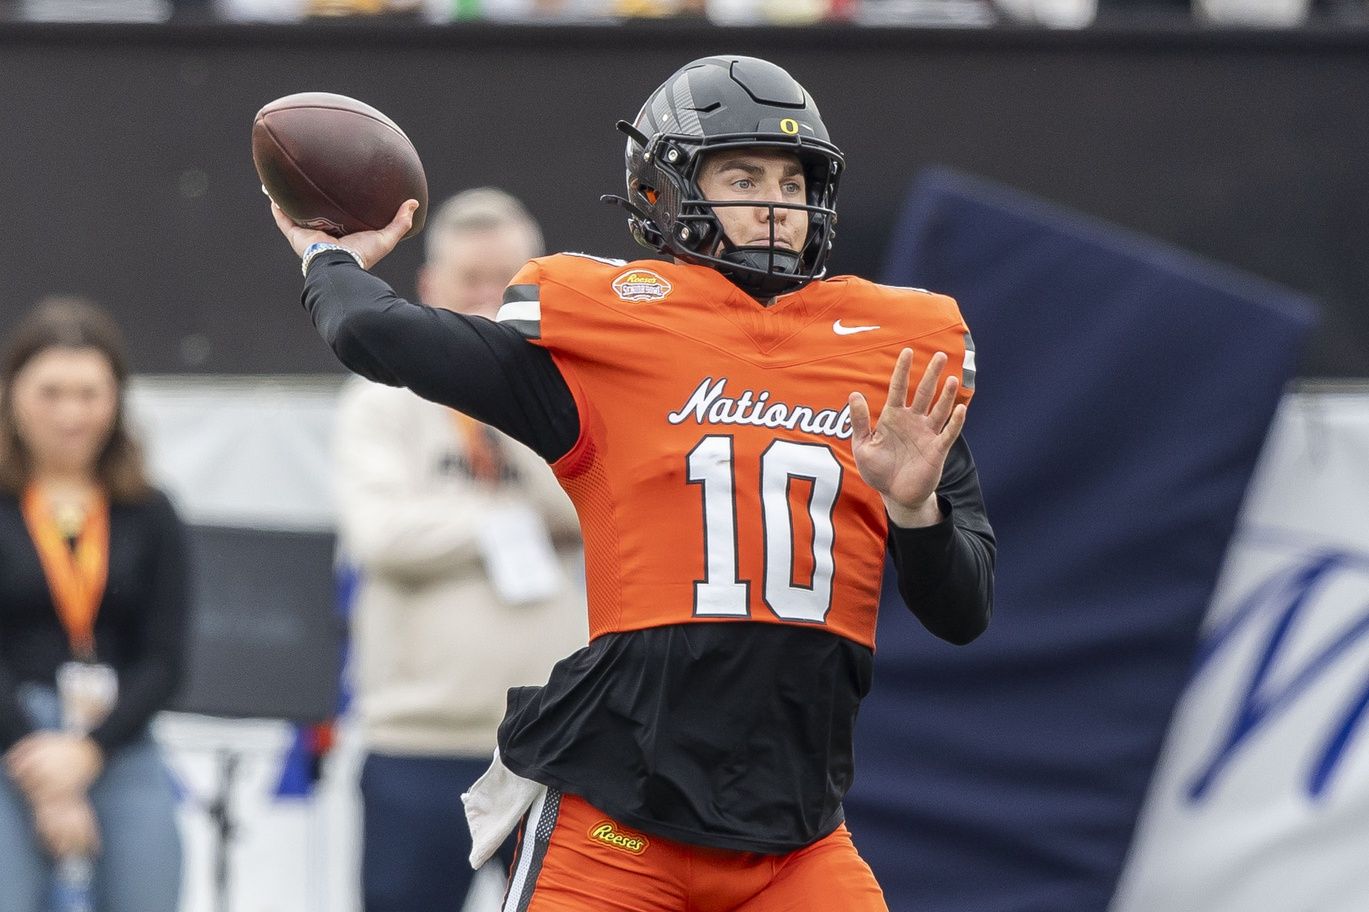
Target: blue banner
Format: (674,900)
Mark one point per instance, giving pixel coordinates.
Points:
(1124,391)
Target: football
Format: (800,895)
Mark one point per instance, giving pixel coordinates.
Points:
(336,164)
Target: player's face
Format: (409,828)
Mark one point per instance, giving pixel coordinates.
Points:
(764,175)
(469,269)
(65,401)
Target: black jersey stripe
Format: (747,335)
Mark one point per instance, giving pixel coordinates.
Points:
(524,316)
(522,293)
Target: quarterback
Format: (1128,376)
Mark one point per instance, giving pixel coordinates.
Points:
(710,415)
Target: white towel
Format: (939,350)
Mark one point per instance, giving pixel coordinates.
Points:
(494,805)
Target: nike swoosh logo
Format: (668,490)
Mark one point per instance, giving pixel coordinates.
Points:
(848,330)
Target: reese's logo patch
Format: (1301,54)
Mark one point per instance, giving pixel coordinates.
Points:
(641,285)
(607,832)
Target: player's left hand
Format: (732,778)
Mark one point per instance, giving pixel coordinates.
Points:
(902,456)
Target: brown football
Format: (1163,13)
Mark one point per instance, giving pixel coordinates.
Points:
(336,164)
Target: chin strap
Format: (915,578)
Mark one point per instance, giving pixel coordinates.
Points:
(763,258)
(761,272)
(755,275)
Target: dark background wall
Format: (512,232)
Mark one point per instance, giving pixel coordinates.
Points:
(125,167)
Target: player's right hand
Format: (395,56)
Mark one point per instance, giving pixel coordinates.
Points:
(371,246)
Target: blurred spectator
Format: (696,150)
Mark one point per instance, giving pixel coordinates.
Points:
(359,7)
(470,570)
(658,9)
(939,13)
(874,13)
(94,10)
(1264,13)
(93,607)
(762,12)
(521,10)
(1065,14)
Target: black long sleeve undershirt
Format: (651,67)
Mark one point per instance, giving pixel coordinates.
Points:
(945,571)
(492,373)
(476,366)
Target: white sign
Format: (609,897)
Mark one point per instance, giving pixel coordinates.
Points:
(1261,800)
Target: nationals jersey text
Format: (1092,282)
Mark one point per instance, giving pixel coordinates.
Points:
(714,444)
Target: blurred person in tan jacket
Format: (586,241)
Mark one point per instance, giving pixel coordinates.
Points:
(470,578)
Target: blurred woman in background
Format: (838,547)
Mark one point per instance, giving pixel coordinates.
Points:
(93,609)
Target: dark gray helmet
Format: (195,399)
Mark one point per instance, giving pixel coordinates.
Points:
(718,103)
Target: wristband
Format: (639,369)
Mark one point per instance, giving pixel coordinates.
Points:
(318,247)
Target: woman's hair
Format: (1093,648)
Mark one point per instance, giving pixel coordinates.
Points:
(65,322)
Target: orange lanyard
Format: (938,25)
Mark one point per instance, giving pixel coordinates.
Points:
(481,453)
(76,578)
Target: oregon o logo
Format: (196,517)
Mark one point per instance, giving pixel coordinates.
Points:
(789,125)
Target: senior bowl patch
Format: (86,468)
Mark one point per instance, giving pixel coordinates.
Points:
(641,285)
(607,832)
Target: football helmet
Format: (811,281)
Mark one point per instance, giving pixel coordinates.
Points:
(728,102)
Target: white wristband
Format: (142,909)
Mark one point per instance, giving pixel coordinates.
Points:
(315,249)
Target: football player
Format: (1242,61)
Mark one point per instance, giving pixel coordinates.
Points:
(708,413)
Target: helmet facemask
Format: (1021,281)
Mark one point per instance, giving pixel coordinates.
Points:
(673,216)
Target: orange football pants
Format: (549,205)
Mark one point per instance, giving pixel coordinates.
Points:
(574,858)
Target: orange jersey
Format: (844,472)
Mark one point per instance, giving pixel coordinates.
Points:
(713,475)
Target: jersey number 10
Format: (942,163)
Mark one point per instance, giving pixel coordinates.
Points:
(720,594)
